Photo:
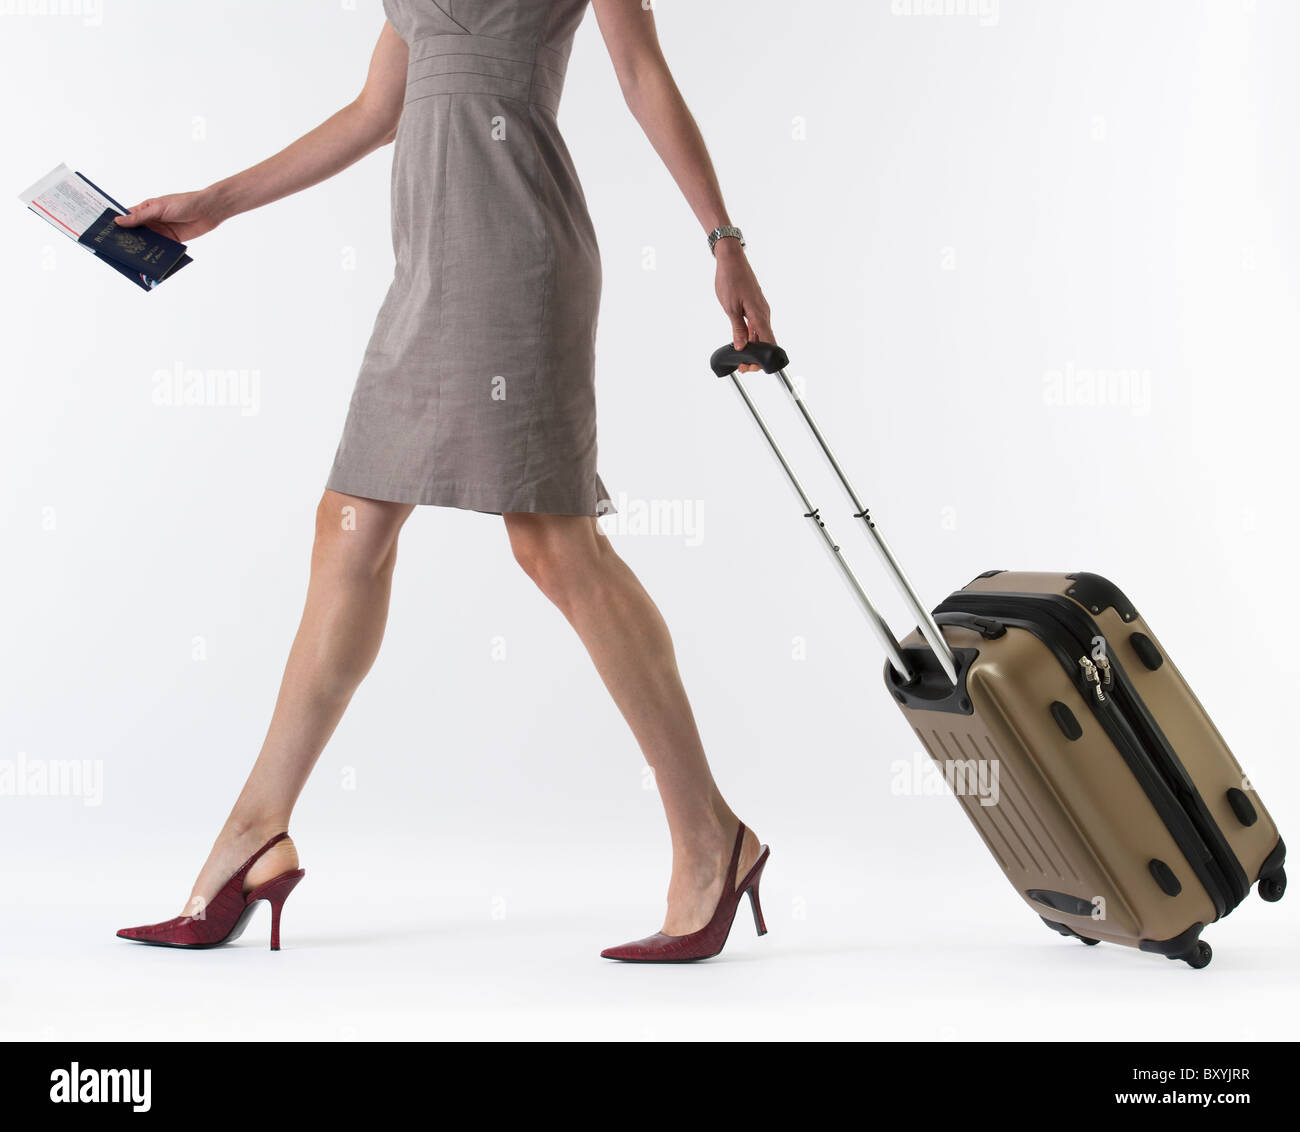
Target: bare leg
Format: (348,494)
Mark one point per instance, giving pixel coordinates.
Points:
(574,565)
(338,639)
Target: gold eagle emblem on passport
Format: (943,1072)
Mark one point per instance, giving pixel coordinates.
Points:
(130,242)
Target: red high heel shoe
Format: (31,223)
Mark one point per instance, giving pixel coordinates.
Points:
(709,940)
(227,914)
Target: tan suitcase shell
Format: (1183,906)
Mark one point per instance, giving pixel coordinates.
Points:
(1187,725)
(1070,816)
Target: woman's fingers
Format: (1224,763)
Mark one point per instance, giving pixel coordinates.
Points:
(141,214)
(750,322)
(739,331)
(760,328)
(150,214)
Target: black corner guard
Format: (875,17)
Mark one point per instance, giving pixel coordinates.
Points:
(1272,874)
(726,359)
(1275,860)
(1099,594)
(1187,946)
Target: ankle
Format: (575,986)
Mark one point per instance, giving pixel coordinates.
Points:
(259,828)
(282,857)
(700,849)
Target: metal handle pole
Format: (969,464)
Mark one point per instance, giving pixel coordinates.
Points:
(891,646)
(925,619)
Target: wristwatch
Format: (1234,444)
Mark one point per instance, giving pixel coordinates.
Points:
(727,230)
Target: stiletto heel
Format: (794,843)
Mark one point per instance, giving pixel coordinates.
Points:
(710,939)
(757,908)
(224,918)
(275,892)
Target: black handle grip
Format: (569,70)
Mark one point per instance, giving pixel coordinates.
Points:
(726,359)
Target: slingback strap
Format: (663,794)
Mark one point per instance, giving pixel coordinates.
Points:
(733,880)
(243,870)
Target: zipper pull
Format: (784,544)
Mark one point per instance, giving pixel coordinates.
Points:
(1093,677)
(1103,663)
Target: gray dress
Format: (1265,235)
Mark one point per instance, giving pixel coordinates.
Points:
(477,387)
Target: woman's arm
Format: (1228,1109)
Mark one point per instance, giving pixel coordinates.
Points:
(658,106)
(358,129)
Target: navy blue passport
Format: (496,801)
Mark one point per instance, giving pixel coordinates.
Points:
(144,256)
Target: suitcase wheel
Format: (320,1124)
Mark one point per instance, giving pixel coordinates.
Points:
(1061,929)
(1198,957)
(1273,886)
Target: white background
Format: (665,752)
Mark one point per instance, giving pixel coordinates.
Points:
(948,213)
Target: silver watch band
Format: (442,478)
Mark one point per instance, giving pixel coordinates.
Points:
(724,232)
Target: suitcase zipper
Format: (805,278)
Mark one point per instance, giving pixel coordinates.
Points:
(1092,676)
(1164,780)
(1103,666)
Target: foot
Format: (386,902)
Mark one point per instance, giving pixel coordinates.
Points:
(698,877)
(233,847)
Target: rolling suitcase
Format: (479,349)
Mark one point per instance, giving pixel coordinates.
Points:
(1084,760)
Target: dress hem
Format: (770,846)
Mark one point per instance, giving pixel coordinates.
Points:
(463,499)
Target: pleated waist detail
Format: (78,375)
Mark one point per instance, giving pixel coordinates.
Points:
(483,64)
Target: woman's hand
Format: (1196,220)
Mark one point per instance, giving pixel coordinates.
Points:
(180,216)
(741,298)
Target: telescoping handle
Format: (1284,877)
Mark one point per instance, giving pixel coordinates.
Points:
(772,359)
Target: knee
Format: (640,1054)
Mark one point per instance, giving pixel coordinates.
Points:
(349,543)
(538,555)
(560,557)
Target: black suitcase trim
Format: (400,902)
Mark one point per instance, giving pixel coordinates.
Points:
(1100,594)
(1272,874)
(1187,947)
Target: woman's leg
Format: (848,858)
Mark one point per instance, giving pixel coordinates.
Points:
(573,563)
(338,638)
